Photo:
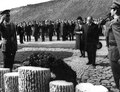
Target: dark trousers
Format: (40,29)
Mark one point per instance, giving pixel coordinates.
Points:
(72,36)
(116,73)
(91,52)
(28,38)
(36,38)
(114,58)
(24,37)
(50,37)
(58,36)
(8,58)
(64,37)
(21,36)
(43,37)
(82,52)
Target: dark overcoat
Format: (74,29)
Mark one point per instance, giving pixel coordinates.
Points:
(91,34)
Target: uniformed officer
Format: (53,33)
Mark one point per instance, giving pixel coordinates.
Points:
(114,42)
(9,39)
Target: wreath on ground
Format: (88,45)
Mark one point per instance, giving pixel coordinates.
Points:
(58,67)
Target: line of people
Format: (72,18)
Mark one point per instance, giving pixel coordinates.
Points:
(43,29)
(63,30)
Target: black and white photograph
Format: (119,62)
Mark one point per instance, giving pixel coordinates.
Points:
(60,46)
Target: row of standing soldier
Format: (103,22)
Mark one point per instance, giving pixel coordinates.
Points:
(43,29)
(64,29)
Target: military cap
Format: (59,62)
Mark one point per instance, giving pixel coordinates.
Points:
(5,12)
(116,4)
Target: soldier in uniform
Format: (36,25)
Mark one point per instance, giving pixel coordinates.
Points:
(9,39)
(114,42)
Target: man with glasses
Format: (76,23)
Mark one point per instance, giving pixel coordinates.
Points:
(9,39)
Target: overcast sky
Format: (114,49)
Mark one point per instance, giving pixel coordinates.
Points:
(8,4)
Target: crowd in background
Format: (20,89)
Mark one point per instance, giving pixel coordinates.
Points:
(62,29)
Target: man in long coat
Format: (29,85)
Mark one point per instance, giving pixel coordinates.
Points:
(91,38)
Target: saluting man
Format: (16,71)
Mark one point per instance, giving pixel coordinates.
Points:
(114,42)
(91,40)
(9,39)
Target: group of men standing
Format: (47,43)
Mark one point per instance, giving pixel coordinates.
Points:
(43,29)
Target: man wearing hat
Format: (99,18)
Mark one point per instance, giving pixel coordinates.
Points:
(114,41)
(9,39)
